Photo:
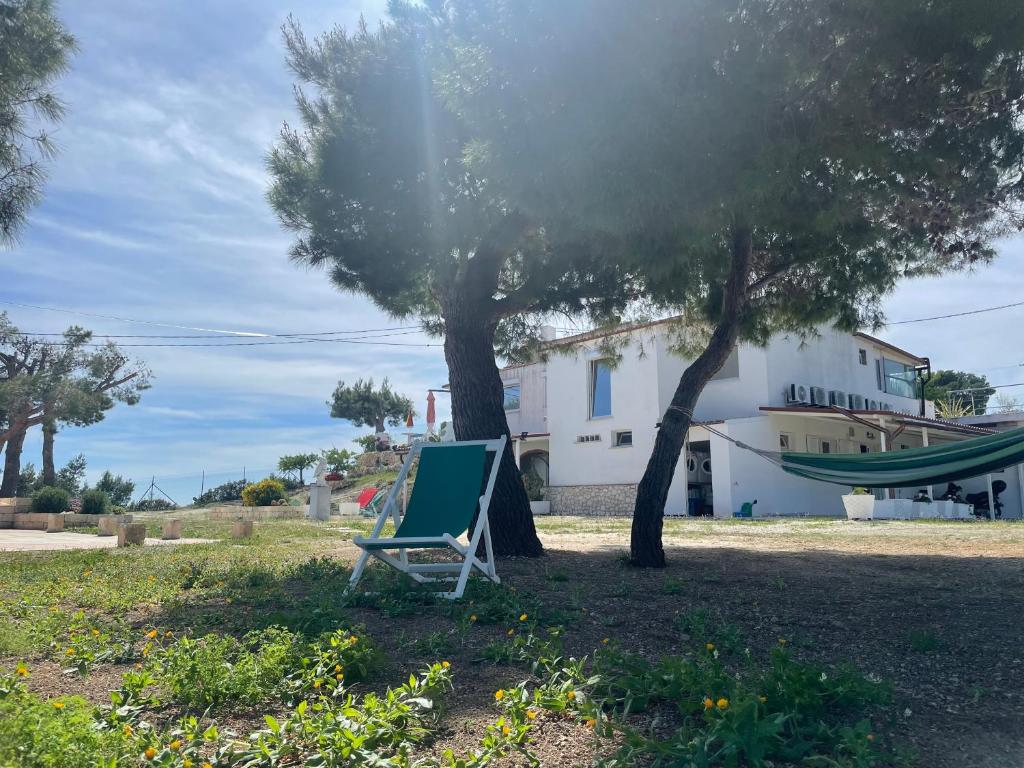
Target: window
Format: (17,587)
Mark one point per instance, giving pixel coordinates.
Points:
(785,441)
(898,378)
(511,400)
(730,368)
(862,355)
(600,389)
(623,438)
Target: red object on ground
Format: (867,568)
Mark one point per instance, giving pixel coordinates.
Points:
(365,496)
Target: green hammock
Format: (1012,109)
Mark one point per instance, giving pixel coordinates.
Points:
(913,467)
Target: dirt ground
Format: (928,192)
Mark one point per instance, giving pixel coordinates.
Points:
(937,609)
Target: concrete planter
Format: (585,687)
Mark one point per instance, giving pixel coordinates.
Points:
(258,513)
(242,529)
(859,506)
(39,521)
(133,534)
(78,520)
(540,507)
(107,525)
(172,530)
(350,508)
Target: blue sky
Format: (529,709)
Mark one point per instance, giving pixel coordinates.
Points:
(155,209)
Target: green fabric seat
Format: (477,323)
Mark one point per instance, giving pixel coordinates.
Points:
(444,497)
(914,467)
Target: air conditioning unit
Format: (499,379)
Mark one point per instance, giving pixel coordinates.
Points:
(798,393)
(692,468)
(837,398)
(856,402)
(819,396)
(705,468)
(872,405)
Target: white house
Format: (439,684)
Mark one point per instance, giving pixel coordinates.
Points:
(585,421)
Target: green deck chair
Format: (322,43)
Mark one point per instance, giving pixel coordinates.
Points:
(446,495)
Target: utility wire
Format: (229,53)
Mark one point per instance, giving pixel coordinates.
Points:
(409,328)
(957,314)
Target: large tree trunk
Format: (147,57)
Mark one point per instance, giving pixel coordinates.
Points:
(12,466)
(49,470)
(645,547)
(478,414)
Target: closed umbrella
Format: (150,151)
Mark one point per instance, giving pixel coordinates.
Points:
(431,415)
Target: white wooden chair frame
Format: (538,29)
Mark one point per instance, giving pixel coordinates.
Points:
(423,572)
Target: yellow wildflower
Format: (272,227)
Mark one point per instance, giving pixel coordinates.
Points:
(70,652)
(151,634)
(138,665)
(206,765)
(316,684)
(722,703)
(168,633)
(782,641)
(446,664)
(152,579)
(505,730)
(127,730)
(571,695)
(337,667)
(499,695)
(510,632)
(605,641)
(87,573)
(523,617)
(175,745)
(710,646)
(95,632)
(531,714)
(708,703)
(57,704)
(472,617)
(21,670)
(186,763)
(149,754)
(591,722)
(339,677)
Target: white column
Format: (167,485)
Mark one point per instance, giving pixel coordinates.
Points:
(518,445)
(1020,488)
(686,474)
(924,442)
(991,499)
(885,447)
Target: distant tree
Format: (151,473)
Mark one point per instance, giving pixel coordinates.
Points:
(775,166)
(297,464)
(71,477)
(29,482)
(34,51)
(339,459)
(230,491)
(367,442)
(154,505)
(118,488)
(378,191)
(52,382)
(970,389)
(365,406)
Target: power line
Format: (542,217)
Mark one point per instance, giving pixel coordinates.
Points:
(266,343)
(957,314)
(409,328)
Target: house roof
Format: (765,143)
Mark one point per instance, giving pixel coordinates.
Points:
(891,347)
(900,418)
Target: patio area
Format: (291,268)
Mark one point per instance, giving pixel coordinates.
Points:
(40,541)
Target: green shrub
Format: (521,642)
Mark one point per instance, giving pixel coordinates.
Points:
(263,493)
(534,486)
(95,502)
(50,499)
(215,670)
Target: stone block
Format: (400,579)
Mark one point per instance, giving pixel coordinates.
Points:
(54,523)
(242,529)
(107,525)
(172,529)
(132,533)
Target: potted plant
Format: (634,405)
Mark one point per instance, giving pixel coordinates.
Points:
(535,493)
(859,504)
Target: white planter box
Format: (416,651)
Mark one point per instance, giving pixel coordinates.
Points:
(540,507)
(859,506)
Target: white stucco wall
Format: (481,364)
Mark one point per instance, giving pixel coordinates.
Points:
(531,416)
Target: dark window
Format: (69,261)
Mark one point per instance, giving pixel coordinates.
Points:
(600,389)
(624,438)
(512,397)
(863,356)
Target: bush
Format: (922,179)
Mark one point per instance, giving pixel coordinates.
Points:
(153,505)
(50,499)
(95,502)
(263,493)
(534,486)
